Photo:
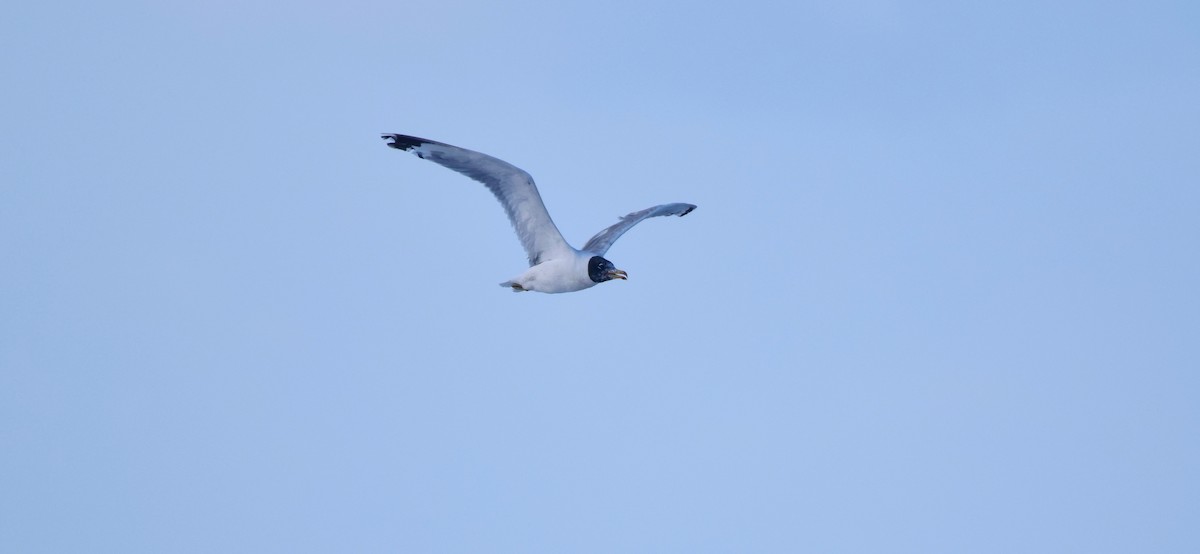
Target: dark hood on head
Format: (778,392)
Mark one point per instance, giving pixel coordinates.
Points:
(598,269)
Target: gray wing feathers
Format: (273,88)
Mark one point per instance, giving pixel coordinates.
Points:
(604,240)
(512,186)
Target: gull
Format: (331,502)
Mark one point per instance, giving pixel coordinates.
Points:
(554,265)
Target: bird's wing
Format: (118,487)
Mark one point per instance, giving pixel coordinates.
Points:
(511,185)
(604,240)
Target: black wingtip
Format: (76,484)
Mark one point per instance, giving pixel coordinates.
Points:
(687,211)
(403,142)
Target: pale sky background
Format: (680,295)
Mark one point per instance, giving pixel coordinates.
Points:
(940,294)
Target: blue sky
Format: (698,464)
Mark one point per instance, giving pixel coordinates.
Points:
(939,294)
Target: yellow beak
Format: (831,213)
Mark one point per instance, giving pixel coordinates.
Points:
(618,274)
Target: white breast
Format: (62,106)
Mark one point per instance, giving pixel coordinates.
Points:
(566,274)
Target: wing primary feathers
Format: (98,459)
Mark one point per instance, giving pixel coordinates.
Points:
(604,240)
(407,143)
(512,186)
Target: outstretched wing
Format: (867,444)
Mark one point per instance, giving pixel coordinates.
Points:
(511,185)
(604,240)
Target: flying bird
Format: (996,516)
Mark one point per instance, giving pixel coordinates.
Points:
(554,265)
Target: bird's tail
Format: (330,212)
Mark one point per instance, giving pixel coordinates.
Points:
(515,286)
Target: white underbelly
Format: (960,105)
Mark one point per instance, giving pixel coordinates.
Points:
(556,276)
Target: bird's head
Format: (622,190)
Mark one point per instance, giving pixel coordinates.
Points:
(601,270)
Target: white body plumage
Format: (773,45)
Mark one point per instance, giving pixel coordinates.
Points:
(564,274)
